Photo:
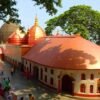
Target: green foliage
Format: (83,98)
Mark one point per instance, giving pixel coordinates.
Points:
(9,13)
(79,18)
(7,10)
(50,5)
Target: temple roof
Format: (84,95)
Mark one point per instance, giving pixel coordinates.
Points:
(14,38)
(36,31)
(65,52)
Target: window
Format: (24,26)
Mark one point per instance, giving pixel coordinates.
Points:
(82,88)
(83,77)
(41,74)
(30,67)
(91,76)
(45,78)
(51,81)
(52,71)
(45,69)
(91,88)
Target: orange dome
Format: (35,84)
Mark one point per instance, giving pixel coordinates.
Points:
(14,38)
(36,31)
(73,52)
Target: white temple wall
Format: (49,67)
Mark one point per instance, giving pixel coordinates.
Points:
(76,74)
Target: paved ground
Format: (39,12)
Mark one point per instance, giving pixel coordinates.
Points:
(21,85)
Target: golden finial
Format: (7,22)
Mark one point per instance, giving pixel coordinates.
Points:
(36,20)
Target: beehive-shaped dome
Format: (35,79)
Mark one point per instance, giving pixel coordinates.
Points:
(6,30)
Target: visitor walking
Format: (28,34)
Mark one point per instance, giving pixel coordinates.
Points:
(6,84)
(12,71)
(1,90)
(9,96)
(2,73)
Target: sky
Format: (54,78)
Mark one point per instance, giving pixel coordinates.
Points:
(27,10)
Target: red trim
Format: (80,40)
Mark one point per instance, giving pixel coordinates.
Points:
(87,95)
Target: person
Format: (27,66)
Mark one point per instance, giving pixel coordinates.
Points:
(9,96)
(2,73)
(1,90)
(12,71)
(31,97)
(6,84)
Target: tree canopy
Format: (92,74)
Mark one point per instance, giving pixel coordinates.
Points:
(8,12)
(79,18)
(50,5)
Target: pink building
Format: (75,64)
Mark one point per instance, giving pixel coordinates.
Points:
(69,64)
(18,45)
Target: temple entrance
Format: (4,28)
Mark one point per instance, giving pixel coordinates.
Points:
(98,86)
(36,72)
(67,84)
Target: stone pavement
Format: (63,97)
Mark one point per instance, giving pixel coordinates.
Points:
(22,86)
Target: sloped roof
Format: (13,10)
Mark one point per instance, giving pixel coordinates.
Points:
(14,38)
(14,35)
(67,52)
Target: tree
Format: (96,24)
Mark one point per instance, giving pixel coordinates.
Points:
(8,12)
(50,5)
(79,18)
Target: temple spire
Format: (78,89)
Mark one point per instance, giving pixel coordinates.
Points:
(36,20)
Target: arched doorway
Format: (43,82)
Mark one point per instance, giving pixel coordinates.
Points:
(67,84)
(98,86)
(36,72)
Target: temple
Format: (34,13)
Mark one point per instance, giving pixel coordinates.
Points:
(69,64)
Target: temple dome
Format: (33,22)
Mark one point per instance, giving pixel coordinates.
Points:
(6,30)
(36,31)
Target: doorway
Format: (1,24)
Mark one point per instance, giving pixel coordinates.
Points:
(36,72)
(67,84)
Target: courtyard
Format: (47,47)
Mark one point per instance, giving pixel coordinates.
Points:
(22,86)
